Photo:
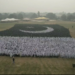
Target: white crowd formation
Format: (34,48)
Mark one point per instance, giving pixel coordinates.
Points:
(38,46)
(49,29)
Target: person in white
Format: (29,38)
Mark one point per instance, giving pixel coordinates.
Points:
(38,46)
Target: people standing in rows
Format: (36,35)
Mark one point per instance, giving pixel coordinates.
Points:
(28,46)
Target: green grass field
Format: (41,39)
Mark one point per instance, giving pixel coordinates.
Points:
(29,65)
(4,26)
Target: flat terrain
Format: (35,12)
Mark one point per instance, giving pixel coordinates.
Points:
(19,30)
(66,24)
(29,65)
(5,26)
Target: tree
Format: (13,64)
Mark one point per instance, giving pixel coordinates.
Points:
(70,17)
(23,15)
(64,17)
(13,15)
(20,16)
(34,15)
(73,16)
(38,14)
(51,16)
(5,15)
(1,16)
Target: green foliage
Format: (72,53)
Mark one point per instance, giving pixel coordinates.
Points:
(64,17)
(1,16)
(34,15)
(51,16)
(38,14)
(59,31)
(13,15)
(70,17)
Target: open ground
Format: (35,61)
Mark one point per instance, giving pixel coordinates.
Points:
(29,65)
(66,24)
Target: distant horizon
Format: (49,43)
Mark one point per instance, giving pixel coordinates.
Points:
(55,6)
(37,12)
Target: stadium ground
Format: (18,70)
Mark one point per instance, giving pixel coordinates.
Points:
(28,65)
(66,24)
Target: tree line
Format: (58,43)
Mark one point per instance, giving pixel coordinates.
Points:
(52,16)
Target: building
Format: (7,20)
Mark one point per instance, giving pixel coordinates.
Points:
(9,20)
(27,19)
(42,19)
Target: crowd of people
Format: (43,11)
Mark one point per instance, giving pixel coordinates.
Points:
(49,29)
(38,46)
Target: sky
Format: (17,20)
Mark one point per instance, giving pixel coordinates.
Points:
(55,6)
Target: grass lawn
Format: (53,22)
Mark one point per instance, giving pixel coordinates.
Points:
(68,25)
(5,26)
(29,65)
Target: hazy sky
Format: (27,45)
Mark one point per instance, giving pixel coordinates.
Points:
(37,5)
